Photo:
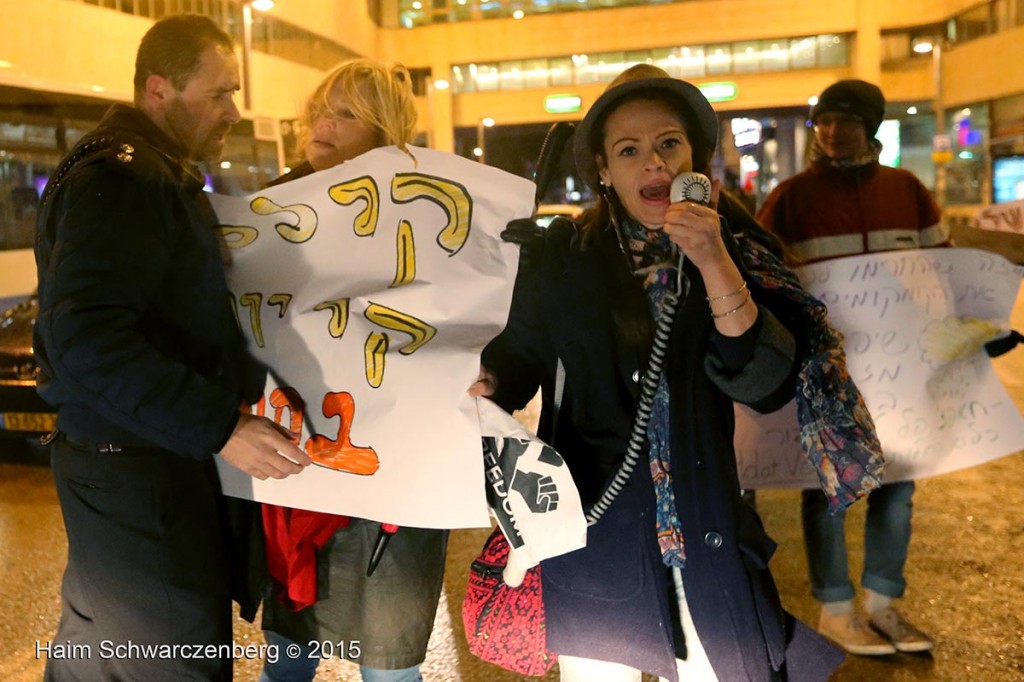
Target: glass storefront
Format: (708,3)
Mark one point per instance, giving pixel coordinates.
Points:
(967,178)
(1007,146)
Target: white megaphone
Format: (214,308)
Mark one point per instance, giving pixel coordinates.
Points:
(693,187)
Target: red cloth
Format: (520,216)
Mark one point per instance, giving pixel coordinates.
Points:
(293,536)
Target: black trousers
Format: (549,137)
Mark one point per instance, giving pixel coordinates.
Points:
(145,593)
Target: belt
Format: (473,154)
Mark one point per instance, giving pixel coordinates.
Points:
(105,448)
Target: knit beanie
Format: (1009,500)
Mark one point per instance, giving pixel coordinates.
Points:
(855,97)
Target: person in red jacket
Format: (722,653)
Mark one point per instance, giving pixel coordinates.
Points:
(847,204)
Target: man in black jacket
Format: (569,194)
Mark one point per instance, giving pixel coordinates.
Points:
(141,354)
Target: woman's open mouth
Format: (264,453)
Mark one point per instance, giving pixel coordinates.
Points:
(656,192)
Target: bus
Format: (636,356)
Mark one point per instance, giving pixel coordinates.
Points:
(38,128)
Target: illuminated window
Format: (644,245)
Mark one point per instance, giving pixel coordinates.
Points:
(803,53)
(746,57)
(486,77)
(511,75)
(719,59)
(774,55)
(831,50)
(687,62)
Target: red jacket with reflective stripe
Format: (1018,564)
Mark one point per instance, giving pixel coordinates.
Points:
(826,212)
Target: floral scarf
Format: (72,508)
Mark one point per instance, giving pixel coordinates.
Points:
(837,432)
(654,261)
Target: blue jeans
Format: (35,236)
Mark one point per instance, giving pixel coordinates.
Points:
(303,667)
(886,540)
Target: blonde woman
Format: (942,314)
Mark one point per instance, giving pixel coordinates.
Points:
(382,621)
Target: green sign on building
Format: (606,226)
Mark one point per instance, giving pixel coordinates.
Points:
(562,104)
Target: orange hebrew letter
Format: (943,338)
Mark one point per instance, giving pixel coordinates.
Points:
(341,454)
(288,397)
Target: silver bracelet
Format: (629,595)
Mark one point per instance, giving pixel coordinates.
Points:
(739,291)
(730,312)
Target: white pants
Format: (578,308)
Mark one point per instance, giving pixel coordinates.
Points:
(696,667)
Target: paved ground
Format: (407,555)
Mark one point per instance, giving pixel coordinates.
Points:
(966,572)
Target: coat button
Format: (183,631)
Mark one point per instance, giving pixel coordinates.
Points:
(636,376)
(713,540)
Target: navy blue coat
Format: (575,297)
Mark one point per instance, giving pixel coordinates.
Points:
(611,600)
(136,336)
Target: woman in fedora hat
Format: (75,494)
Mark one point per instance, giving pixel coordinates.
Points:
(675,571)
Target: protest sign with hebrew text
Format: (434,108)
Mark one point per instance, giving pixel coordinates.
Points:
(914,323)
(1006,217)
(369,290)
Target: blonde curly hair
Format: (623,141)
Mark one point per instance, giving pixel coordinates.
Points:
(377,94)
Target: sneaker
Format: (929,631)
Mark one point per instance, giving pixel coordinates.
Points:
(903,635)
(852,632)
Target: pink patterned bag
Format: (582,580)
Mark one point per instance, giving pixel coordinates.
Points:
(505,625)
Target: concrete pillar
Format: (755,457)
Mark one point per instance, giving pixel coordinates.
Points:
(440,103)
(867,54)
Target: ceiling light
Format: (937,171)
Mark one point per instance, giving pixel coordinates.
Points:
(441,84)
(911,110)
(922,45)
(263,5)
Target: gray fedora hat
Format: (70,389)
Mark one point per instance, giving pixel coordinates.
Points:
(640,80)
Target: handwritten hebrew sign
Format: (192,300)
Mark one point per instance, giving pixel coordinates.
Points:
(369,291)
(1008,217)
(914,322)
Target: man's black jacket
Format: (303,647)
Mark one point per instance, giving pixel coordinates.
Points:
(136,337)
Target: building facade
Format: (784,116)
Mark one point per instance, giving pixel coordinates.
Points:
(491,75)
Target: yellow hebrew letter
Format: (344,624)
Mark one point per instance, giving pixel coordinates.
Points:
(252,301)
(339,315)
(281,300)
(305,219)
(348,193)
(375,350)
(237,236)
(420,331)
(451,196)
(406,247)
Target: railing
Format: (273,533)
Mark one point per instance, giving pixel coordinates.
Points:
(414,13)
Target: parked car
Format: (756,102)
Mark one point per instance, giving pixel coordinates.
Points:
(548,212)
(23,413)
